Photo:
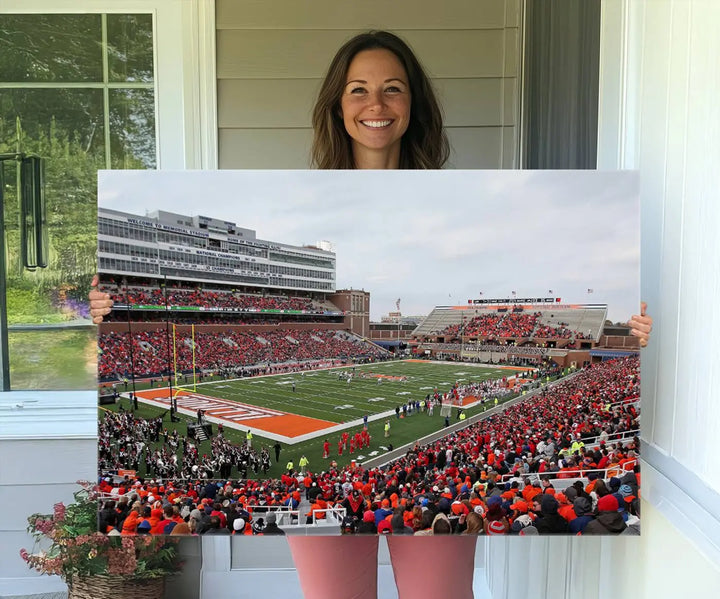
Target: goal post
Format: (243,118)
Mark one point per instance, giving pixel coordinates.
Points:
(179,377)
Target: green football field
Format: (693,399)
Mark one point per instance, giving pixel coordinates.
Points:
(326,395)
(320,394)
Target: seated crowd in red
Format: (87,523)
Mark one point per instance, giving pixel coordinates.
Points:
(452,485)
(511,324)
(208,298)
(152,352)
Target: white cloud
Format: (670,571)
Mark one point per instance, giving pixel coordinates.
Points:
(429,237)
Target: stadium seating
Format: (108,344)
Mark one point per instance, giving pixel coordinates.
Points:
(540,324)
(152,352)
(543,437)
(216,299)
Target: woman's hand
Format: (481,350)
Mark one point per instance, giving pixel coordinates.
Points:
(100,303)
(641,325)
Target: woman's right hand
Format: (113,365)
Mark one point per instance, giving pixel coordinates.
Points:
(100,303)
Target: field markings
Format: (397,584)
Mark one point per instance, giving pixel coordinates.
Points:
(238,415)
(334,402)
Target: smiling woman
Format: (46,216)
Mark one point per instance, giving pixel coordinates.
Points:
(377,109)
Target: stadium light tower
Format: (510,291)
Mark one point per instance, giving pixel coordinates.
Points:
(399,319)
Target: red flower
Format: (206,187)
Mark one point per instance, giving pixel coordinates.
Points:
(121,561)
(59,511)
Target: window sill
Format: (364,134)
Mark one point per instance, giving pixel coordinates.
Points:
(48,415)
(683,498)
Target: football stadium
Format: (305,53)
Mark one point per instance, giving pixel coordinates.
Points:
(236,379)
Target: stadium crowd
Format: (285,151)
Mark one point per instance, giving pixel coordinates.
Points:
(232,319)
(511,325)
(452,485)
(562,331)
(208,299)
(486,347)
(152,353)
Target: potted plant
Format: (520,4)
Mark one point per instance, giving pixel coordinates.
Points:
(93,564)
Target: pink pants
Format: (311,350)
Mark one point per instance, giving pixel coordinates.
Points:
(345,567)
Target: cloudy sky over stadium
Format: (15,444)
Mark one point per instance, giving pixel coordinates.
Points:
(427,238)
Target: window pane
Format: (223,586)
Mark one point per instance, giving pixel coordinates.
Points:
(38,48)
(66,128)
(132,128)
(53,359)
(47,309)
(130,48)
(50,118)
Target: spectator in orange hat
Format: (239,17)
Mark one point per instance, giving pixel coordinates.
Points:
(383,511)
(565,508)
(367,526)
(130,524)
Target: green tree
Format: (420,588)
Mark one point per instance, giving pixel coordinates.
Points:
(66,126)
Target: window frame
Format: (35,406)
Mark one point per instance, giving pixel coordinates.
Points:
(186,138)
(185,105)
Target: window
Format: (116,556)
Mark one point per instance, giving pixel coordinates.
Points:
(78,90)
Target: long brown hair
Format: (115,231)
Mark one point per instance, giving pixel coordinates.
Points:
(424,145)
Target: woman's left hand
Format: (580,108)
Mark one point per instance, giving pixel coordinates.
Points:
(641,325)
(100,302)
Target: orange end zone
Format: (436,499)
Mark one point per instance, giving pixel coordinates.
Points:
(468,399)
(287,425)
(290,425)
(459,364)
(156,393)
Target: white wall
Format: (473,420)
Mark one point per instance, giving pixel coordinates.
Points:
(48,441)
(659,113)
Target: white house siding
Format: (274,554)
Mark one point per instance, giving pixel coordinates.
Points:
(271,57)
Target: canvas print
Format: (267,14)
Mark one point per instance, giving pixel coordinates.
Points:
(442,352)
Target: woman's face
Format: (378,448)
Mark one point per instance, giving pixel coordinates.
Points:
(375,102)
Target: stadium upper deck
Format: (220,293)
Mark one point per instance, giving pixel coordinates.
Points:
(514,321)
(207,250)
(144,296)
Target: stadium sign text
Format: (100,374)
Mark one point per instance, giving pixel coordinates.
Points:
(154,225)
(517,300)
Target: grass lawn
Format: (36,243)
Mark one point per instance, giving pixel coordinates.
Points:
(53,359)
(321,394)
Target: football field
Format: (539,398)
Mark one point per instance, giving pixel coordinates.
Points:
(299,406)
(322,406)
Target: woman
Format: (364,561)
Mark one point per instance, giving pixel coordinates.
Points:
(377,110)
